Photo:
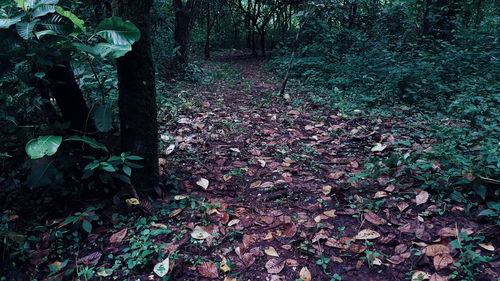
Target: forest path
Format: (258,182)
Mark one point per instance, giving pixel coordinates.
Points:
(268,180)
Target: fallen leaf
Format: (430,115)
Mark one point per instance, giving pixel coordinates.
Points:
(270,251)
(132,201)
(203,183)
(487,246)
(175,212)
(373,218)
(437,277)
(367,234)
(161,269)
(90,259)
(224,266)
(208,269)
(327,189)
(378,147)
(380,194)
(422,197)
(275,265)
(180,197)
(330,213)
(184,121)
(199,233)
(447,232)
(305,274)
(442,261)
(118,236)
(104,272)
(436,249)
(402,206)
(233,222)
(420,275)
(169,149)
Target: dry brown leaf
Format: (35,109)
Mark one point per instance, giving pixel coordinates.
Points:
(402,206)
(422,197)
(305,274)
(208,269)
(373,218)
(436,249)
(397,259)
(442,261)
(380,194)
(330,213)
(289,230)
(336,175)
(230,279)
(175,212)
(118,236)
(367,234)
(271,251)
(275,265)
(233,222)
(90,259)
(437,277)
(447,232)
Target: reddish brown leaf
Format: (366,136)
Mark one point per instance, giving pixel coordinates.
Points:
(275,266)
(373,218)
(118,236)
(442,261)
(208,269)
(90,259)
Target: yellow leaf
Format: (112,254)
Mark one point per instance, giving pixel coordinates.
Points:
(305,274)
(270,251)
(132,201)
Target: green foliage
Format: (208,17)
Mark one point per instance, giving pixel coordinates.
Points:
(469,258)
(451,83)
(43,146)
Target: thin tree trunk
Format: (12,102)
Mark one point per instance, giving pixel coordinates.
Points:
(137,98)
(262,34)
(209,28)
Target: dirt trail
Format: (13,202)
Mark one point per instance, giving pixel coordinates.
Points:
(278,196)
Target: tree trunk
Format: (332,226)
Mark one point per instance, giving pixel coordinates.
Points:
(137,96)
(262,35)
(352,14)
(209,29)
(182,32)
(252,40)
(68,96)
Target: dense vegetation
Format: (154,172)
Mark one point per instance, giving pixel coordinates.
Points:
(113,114)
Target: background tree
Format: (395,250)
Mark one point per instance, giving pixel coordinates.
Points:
(137,98)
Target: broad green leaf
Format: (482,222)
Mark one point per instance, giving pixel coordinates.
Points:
(6,23)
(87,226)
(115,51)
(43,33)
(43,146)
(92,142)
(118,32)
(42,10)
(79,23)
(25,29)
(103,117)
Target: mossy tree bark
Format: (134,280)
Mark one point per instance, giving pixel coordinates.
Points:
(137,98)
